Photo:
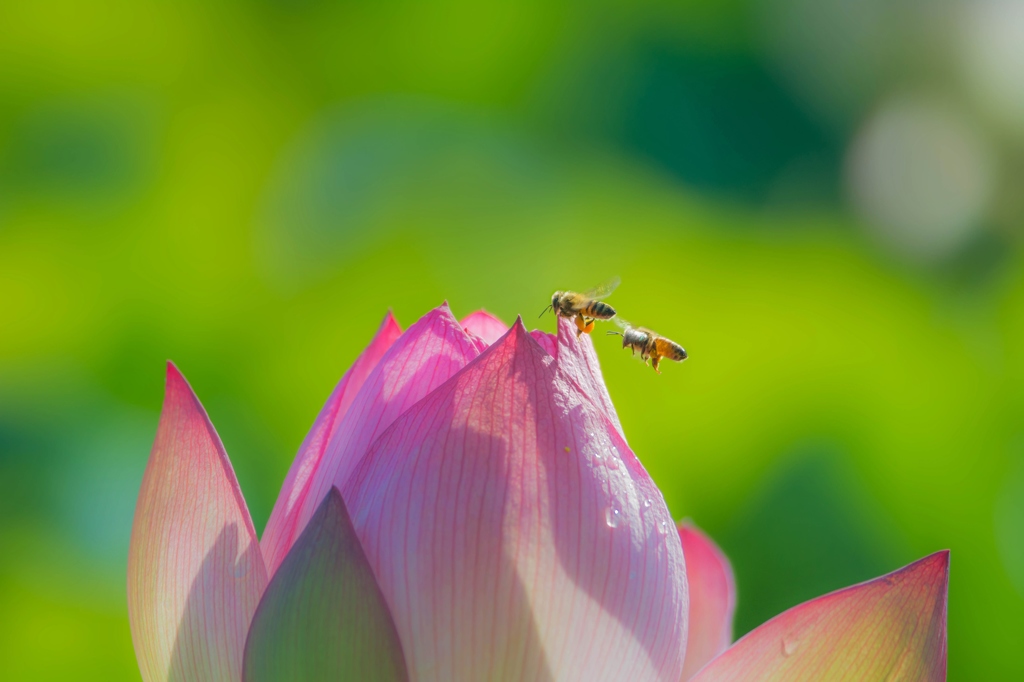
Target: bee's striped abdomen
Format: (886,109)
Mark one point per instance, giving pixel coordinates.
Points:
(671,350)
(599,310)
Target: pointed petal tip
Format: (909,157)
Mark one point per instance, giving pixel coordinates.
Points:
(866,631)
(934,565)
(172,372)
(323,615)
(334,496)
(389,321)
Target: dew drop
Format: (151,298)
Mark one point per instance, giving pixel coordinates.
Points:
(663,528)
(612,462)
(612,517)
(647,503)
(789,645)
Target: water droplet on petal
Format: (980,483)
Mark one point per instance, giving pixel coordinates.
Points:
(663,528)
(612,462)
(789,645)
(612,517)
(647,503)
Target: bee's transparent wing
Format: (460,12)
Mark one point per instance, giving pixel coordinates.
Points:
(623,324)
(604,289)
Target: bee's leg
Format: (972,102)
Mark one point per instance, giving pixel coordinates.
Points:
(633,350)
(581,325)
(654,363)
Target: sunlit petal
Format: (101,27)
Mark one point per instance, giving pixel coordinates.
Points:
(514,534)
(195,573)
(890,628)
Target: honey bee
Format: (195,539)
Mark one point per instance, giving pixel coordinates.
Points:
(650,344)
(583,306)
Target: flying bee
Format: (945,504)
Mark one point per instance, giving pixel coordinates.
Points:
(650,344)
(585,307)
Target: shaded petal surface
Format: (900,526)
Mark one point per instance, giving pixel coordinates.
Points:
(195,573)
(282,527)
(424,357)
(890,628)
(323,617)
(514,534)
(712,598)
(485,326)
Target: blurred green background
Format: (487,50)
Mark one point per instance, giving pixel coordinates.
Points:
(820,199)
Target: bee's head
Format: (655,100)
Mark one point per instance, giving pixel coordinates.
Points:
(554,304)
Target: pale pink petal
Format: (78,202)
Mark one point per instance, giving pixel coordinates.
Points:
(422,358)
(548,342)
(516,537)
(323,616)
(712,598)
(485,326)
(578,360)
(890,628)
(281,528)
(195,573)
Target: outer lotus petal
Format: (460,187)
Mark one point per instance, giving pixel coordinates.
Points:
(516,537)
(423,358)
(282,527)
(578,360)
(890,628)
(485,326)
(323,617)
(712,598)
(195,573)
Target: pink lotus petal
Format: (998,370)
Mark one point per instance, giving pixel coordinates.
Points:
(195,573)
(514,534)
(423,358)
(282,527)
(712,598)
(549,342)
(890,628)
(323,616)
(577,358)
(484,326)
